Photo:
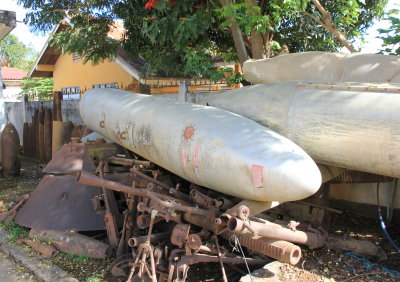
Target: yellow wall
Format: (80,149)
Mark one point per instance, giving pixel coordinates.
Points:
(68,74)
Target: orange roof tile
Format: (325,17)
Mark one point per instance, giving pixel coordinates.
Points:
(12,73)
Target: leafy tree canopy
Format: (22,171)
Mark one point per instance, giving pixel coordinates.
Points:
(391,35)
(37,88)
(16,53)
(180,37)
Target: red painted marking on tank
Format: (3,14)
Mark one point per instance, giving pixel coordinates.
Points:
(184,157)
(189,132)
(258,178)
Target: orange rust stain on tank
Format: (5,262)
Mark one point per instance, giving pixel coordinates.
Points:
(188,132)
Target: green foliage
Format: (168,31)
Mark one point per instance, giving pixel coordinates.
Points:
(16,53)
(37,88)
(93,279)
(179,38)
(76,259)
(16,231)
(391,35)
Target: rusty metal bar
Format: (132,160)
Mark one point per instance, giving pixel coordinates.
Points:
(130,162)
(280,250)
(154,238)
(169,189)
(91,180)
(277,232)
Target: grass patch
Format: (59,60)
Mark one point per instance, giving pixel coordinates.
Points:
(16,231)
(75,259)
(93,279)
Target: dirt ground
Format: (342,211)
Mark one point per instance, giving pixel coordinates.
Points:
(316,265)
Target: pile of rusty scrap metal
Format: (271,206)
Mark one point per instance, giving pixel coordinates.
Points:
(157,224)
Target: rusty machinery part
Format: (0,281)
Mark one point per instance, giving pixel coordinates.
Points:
(110,215)
(42,248)
(154,239)
(10,147)
(179,234)
(280,250)
(91,180)
(121,266)
(169,189)
(71,158)
(59,203)
(47,134)
(203,200)
(129,162)
(71,242)
(224,203)
(354,176)
(277,232)
(143,220)
(193,241)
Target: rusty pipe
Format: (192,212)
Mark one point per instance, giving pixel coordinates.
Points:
(91,180)
(164,186)
(130,162)
(277,232)
(143,220)
(280,250)
(44,249)
(154,239)
(277,249)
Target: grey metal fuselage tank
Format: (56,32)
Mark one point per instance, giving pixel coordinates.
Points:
(349,125)
(207,146)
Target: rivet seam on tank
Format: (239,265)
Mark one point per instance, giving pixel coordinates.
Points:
(258,176)
(188,132)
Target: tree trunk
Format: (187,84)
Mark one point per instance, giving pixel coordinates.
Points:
(257,41)
(237,35)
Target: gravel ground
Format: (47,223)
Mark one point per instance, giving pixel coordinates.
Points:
(316,265)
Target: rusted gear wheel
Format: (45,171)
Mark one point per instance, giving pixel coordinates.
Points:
(121,266)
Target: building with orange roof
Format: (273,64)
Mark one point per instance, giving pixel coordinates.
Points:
(12,82)
(72,77)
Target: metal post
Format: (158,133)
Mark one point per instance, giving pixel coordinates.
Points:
(183,90)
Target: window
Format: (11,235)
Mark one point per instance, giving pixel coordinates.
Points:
(72,92)
(106,85)
(76,58)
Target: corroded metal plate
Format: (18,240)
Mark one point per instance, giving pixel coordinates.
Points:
(71,158)
(60,203)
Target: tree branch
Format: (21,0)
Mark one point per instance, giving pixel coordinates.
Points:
(331,27)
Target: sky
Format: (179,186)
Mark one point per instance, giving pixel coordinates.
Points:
(371,45)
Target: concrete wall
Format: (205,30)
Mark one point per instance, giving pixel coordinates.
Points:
(20,112)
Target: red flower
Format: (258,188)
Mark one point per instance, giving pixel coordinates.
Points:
(173,3)
(182,18)
(150,4)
